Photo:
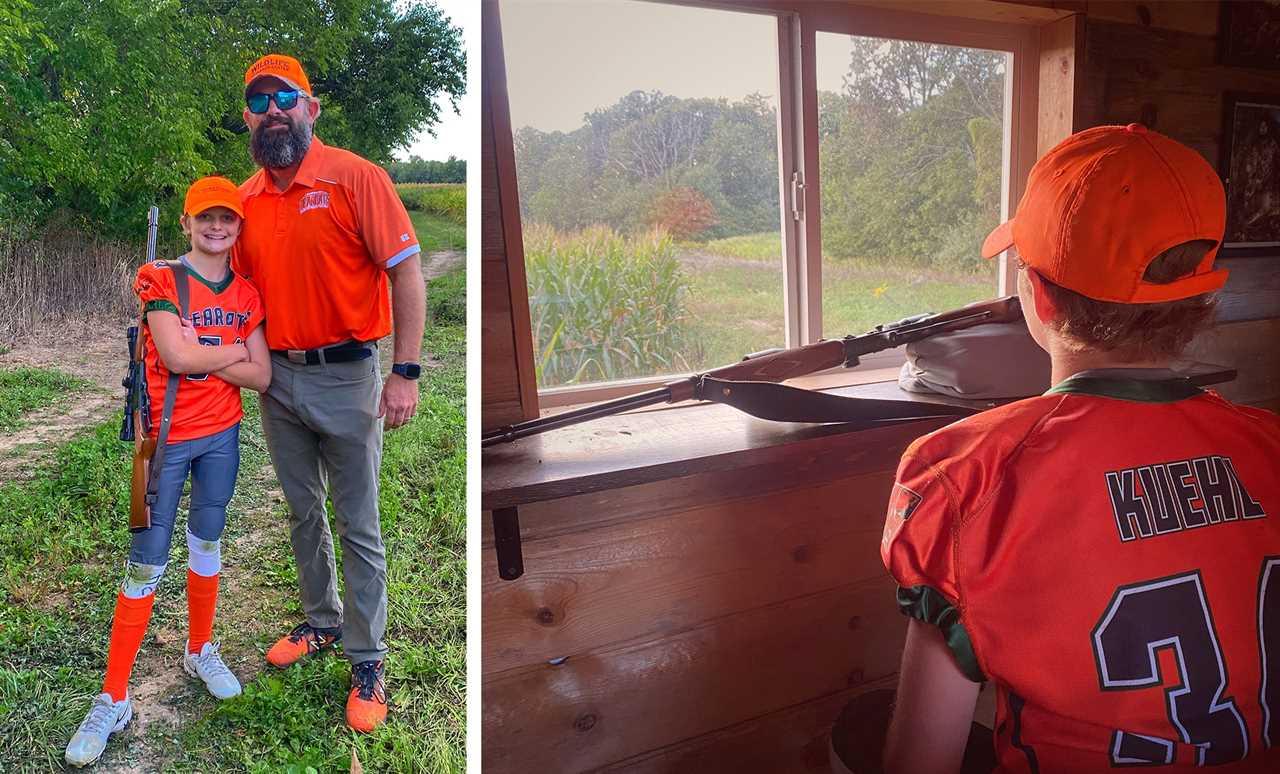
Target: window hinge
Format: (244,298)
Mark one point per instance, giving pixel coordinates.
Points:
(797,196)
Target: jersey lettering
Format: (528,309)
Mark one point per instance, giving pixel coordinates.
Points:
(1173,496)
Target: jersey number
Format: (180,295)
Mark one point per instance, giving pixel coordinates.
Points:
(206,341)
(1144,618)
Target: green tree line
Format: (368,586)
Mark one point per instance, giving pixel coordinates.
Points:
(910,154)
(417,170)
(110,106)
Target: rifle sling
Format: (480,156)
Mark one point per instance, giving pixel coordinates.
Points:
(782,403)
(170,392)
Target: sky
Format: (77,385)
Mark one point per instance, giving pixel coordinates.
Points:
(608,48)
(455,135)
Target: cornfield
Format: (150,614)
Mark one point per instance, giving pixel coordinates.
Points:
(445,199)
(605,306)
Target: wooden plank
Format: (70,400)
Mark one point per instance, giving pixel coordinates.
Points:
(1194,16)
(1250,348)
(805,465)
(644,579)
(1061,80)
(634,449)
(1252,291)
(599,707)
(795,740)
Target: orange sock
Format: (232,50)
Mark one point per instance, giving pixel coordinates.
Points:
(202,598)
(127,628)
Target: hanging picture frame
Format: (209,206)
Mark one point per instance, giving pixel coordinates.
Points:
(1251,171)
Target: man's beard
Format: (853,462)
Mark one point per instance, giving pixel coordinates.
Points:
(278,150)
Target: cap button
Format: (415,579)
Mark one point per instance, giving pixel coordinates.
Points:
(1136,128)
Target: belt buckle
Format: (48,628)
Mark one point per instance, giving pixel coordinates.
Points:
(298,356)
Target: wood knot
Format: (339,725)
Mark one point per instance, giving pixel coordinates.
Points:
(584,723)
(802,554)
(546,617)
(855,621)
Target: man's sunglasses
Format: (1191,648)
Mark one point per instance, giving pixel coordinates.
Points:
(285,99)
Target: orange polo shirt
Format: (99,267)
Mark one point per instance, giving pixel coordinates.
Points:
(319,251)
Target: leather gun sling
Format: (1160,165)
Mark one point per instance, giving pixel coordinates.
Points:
(170,393)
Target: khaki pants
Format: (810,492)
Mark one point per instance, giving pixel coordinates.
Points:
(323,431)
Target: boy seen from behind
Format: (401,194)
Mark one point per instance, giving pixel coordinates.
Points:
(1104,553)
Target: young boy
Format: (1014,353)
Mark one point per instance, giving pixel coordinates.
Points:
(217,349)
(1103,553)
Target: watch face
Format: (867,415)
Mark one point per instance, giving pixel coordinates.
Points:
(407,370)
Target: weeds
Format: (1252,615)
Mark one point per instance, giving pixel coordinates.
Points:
(26,389)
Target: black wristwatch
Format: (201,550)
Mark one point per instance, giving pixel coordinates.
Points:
(407,370)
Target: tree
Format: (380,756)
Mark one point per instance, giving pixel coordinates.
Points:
(110,106)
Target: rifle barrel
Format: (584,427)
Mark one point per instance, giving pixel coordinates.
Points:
(564,419)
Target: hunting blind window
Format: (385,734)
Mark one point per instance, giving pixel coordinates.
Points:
(668,223)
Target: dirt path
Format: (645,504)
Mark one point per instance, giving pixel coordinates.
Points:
(94,350)
(442,262)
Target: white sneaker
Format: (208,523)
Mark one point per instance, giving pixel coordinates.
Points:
(104,719)
(208,666)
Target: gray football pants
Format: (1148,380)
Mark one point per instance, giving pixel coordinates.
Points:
(322,429)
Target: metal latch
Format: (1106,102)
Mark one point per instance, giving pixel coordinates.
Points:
(797,196)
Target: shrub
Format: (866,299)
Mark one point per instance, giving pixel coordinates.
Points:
(684,212)
(604,306)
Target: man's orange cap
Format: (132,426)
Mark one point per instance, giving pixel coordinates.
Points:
(1104,203)
(212,191)
(286,68)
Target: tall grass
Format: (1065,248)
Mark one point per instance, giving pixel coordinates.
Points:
(63,275)
(447,199)
(605,306)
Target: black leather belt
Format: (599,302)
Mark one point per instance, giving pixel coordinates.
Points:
(345,352)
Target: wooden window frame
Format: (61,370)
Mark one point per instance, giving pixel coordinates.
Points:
(1040,98)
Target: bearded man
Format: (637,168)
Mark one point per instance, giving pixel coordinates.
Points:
(325,234)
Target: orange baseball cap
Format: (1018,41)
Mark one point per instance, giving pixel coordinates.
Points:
(1103,203)
(286,68)
(212,191)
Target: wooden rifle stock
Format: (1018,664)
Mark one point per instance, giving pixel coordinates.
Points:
(144,449)
(773,366)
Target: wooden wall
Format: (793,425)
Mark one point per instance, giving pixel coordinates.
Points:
(1156,63)
(712,622)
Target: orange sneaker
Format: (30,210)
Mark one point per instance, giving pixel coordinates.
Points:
(304,640)
(367,702)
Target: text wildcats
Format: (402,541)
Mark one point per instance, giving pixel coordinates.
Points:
(1172,496)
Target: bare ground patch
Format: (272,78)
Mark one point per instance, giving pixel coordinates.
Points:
(442,262)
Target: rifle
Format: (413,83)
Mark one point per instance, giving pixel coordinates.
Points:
(752,384)
(148,451)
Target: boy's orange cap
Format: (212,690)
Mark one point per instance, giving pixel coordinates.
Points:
(286,68)
(1104,203)
(212,191)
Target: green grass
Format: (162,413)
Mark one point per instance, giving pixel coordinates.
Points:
(436,232)
(26,389)
(736,307)
(64,539)
(765,246)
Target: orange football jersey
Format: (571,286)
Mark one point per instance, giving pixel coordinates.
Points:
(1108,555)
(222,313)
